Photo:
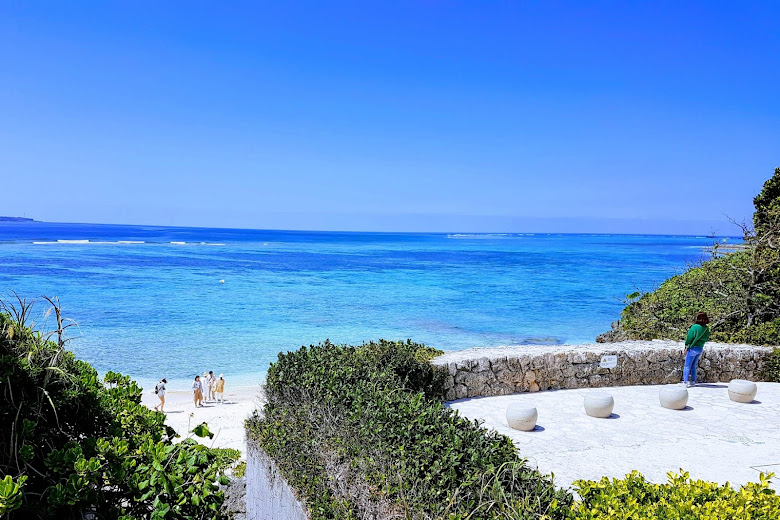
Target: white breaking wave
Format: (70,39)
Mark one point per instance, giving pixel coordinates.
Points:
(478,235)
(73,241)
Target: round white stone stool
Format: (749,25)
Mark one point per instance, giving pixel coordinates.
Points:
(599,404)
(742,391)
(521,416)
(673,397)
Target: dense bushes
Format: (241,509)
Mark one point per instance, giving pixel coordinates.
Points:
(72,444)
(772,367)
(361,432)
(739,291)
(681,498)
(713,287)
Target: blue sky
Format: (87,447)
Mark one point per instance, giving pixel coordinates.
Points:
(430,115)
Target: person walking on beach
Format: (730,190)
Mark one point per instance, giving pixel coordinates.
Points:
(210,382)
(219,388)
(197,390)
(159,389)
(697,336)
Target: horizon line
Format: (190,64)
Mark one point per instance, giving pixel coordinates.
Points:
(499,233)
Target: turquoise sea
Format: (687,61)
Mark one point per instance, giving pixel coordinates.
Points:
(149,301)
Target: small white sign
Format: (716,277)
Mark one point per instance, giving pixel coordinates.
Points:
(608,361)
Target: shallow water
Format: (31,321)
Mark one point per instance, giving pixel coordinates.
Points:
(154,306)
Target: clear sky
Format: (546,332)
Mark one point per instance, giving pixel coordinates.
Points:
(408,116)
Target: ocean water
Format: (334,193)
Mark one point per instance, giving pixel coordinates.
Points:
(149,301)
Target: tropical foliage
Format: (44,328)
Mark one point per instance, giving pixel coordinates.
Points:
(75,445)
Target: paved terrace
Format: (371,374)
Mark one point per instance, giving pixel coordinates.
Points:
(713,438)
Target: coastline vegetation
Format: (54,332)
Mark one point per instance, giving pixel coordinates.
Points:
(740,291)
(76,447)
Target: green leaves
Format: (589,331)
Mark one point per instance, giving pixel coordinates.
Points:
(680,498)
(202,430)
(772,366)
(357,429)
(11,494)
(82,444)
(767,203)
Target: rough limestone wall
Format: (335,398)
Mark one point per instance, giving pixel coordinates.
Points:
(268,496)
(531,368)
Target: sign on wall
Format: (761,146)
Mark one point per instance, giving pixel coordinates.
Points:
(608,361)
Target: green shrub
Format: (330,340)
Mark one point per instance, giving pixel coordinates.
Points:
(720,287)
(667,312)
(772,367)
(680,499)
(73,444)
(361,432)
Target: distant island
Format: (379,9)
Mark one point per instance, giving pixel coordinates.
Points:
(16,219)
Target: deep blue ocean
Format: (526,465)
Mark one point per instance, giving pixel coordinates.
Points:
(149,303)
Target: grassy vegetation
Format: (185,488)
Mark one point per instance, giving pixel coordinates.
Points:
(73,444)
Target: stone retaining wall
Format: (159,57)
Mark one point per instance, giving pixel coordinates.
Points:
(530,368)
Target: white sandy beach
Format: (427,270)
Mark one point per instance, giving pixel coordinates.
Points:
(225,420)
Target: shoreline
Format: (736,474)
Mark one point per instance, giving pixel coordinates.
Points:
(225,420)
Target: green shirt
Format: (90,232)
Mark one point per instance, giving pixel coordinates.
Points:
(697,336)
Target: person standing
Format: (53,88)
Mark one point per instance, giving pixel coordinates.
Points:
(160,391)
(197,390)
(697,336)
(210,382)
(219,389)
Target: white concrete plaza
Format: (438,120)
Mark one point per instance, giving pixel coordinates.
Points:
(713,438)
